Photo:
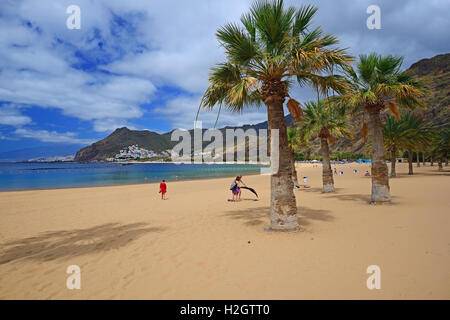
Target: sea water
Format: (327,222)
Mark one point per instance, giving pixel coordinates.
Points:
(29,176)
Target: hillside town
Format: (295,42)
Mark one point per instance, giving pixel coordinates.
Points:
(134,152)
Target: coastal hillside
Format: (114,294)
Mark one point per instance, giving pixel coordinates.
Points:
(122,138)
(434,71)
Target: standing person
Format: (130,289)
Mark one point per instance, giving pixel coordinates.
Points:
(163,189)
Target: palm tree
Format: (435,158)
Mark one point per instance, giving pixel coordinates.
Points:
(378,83)
(293,142)
(274,47)
(441,146)
(325,122)
(397,135)
(419,136)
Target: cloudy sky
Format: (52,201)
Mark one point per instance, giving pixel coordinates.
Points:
(144,63)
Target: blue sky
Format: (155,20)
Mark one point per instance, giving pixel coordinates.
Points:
(144,64)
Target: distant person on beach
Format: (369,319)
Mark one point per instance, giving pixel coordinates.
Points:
(163,189)
(367,174)
(335,172)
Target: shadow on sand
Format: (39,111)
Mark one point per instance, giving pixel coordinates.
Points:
(315,189)
(259,216)
(434,173)
(71,243)
(363,198)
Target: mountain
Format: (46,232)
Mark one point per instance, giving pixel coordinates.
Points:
(436,73)
(122,138)
(25,154)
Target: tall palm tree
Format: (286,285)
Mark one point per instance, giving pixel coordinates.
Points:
(397,135)
(379,83)
(293,142)
(273,47)
(325,122)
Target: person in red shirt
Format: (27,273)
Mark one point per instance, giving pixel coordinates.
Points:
(163,189)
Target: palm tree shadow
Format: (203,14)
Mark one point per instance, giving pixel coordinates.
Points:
(426,174)
(72,243)
(365,198)
(318,190)
(362,198)
(259,216)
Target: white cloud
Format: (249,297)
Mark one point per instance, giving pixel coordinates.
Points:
(51,136)
(109,125)
(10,115)
(37,71)
(182,111)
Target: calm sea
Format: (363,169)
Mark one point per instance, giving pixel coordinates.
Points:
(26,176)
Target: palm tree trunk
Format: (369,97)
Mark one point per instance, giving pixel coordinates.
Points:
(418,159)
(380,179)
(294,170)
(431,161)
(440,165)
(410,162)
(283,207)
(327,174)
(423,158)
(393,161)
(446,162)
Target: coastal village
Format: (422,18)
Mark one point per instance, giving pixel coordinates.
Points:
(134,152)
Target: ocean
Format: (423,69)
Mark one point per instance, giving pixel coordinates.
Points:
(30,176)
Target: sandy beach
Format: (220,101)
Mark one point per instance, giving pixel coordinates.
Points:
(196,245)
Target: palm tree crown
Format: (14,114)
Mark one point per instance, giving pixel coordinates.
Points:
(397,134)
(324,121)
(274,43)
(378,82)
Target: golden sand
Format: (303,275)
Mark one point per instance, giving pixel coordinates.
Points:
(130,244)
